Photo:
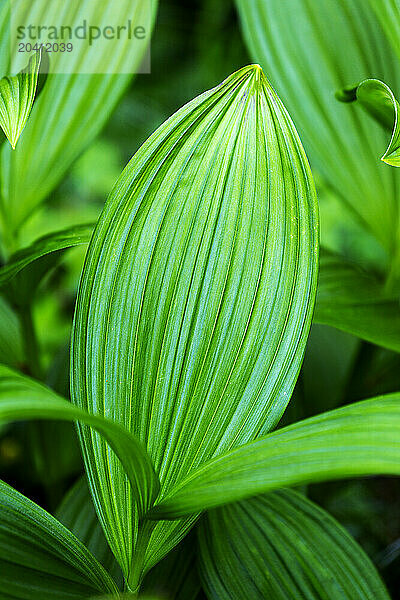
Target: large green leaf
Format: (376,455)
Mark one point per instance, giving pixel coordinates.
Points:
(379,101)
(309,50)
(359,439)
(17,94)
(196,298)
(355,301)
(388,13)
(281,546)
(22,398)
(71,109)
(40,559)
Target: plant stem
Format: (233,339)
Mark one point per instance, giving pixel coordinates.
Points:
(31,346)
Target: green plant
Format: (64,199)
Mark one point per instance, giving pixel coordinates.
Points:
(191,321)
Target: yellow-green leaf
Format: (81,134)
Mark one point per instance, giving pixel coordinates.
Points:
(17,94)
(196,298)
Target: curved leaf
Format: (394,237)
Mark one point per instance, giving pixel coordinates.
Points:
(195,302)
(40,558)
(378,100)
(22,398)
(16,99)
(353,300)
(72,108)
(282,546)
(77,513)
(53,242)
(305,46)
(11,347)
(359,439)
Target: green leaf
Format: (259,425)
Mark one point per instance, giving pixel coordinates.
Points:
(388,14)
(11,347)
(16,99)
(26,267)
(305,47)
(196,298)
(40,558)
(282,546)
(378,100)
(355,301)
(77,513)
(22,398)
(71,110)
(359,439)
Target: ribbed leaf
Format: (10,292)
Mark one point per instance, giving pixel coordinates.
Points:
(196,298)
(40,559)
(359,439)
(355,301)
(22,398)
(174,578)
(388,13)
(71,109)
(281,546)
(30,259)
(77,513)
(378,100)
(17,94)
(309,50)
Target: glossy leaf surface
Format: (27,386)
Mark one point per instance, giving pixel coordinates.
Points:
(196,298)
(359,439)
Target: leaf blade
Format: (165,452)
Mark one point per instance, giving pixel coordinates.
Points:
(202,342)
(281,545)
(41,558)
(359,439)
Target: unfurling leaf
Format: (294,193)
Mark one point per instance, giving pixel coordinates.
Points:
(196,298)
(378,100)
(281,545)
(17,94)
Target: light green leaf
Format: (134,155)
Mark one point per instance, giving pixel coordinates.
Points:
(17,94)
(378,100)
(40,558)
(388,14)
(22,398)
(72,108)
(26,267)
(196,298)
(359,439)
(355,301)
(305,46)
(281,546)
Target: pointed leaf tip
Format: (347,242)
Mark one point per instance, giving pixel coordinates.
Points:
(17,94)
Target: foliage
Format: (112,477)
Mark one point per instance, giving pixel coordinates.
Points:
(204,281)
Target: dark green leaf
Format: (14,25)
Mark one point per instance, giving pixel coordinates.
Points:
(281,546)
(359,439)
(17,94)
(196,298)
(22,398)
(40,559)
